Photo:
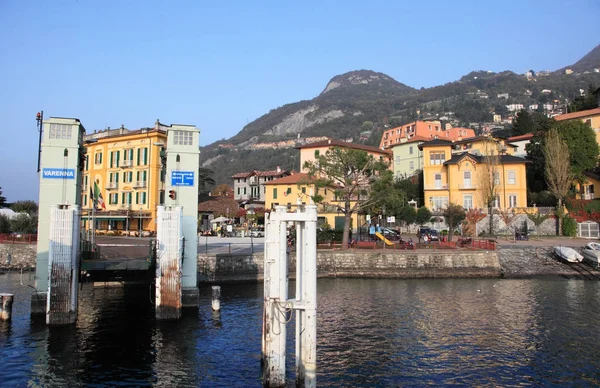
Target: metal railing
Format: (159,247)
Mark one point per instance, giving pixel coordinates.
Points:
(17,238)
(112,185)
(126,163)
(140,184)
(436,187)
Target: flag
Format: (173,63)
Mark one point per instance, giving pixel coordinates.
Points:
(92,198)
(98,196)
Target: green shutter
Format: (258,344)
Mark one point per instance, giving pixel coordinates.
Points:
(123,198)
(137,197)
(117,177)
(130,176)
(118,158)
(138,156)
(144,198)
(137,176)
(87,163)
(144,175)
(130,197)
(100,157)
(275,193)
(145,156)
(111,159)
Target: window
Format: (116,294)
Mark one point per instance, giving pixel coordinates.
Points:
(85,200)
(113,199)
(143,198)
(87,163)
(512,177)
(468,201)
(98,158)
(437,178)
(467,181)
(274,193)
(411,165)
(398,160)
(238,191)
(589,122)
(182,138)
(410,150)
(496,203)
(496,178)
(438,202)
(244,191)
(60,131)
(304,190)
(144,155)
(512,200)
(437,158)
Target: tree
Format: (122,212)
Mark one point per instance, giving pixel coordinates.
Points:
(357,179)
(558,170)
(423,215)
(24,223)
(524,123)
(588,101)
(2,198)
(4,224)
(583,147)
(408,214)
(29,207)
(223,190)
(205,180)
(489,178)
(454,215)
(472,216)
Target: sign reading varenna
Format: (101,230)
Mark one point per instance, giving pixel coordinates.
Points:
(58,173)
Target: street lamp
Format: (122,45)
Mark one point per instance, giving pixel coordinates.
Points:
(39,117)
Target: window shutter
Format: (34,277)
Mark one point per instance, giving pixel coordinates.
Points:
(111,159)
(138,156)
(145,156)
(137,176)
(123,198)
(144,176)
(100,157)
(87,163)
(275,193)
(137,197)
(117,177)
(144,198)
(130,197)
(118,157)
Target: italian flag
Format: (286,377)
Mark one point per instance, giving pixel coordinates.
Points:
(98,196)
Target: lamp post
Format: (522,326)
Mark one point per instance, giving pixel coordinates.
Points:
(39,117)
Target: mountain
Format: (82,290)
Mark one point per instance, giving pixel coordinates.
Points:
(589,62)
(357,106)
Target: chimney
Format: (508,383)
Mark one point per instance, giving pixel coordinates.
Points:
(122,129)
(157,124)
(278,169)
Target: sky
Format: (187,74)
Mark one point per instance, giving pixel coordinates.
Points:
(220,65)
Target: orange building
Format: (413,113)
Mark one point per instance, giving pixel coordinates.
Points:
(310,152)
(426,129)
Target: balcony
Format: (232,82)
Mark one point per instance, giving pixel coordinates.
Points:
(112,185)
(587,196)
(140,184)
(126,164)
(468,186)
(436,187)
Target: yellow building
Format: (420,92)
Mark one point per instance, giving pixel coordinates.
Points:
(310,152)
(452,171)
(590,117)
(296,189)
(589,187)
(127,170)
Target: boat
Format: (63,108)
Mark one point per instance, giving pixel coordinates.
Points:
(591,255)
(593,245)
(567,254)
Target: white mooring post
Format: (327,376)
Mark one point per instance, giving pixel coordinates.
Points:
(277,306)
(169,253)
(63,265)
(6,303)
(216,298)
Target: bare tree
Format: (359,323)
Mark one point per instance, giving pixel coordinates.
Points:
(559,176)
(489,178)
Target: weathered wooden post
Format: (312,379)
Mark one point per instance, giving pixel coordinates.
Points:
(216,298)
(6,303)
(276,304)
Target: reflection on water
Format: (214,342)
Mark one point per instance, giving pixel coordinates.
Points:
(370,333)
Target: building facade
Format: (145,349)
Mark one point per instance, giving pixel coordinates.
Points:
(124,169)
(407,157)
(249,187)
(426,129)
(590,117)
(310,152)
(455,176)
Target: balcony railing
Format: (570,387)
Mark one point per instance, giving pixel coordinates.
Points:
(141,184)
(436,187)
(126,163)
(587,196)
(112,185)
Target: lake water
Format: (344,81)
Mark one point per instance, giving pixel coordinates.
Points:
(370,333)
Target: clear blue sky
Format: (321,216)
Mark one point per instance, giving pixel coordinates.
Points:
(220,65)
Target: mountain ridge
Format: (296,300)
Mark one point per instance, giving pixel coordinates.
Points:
(358,105)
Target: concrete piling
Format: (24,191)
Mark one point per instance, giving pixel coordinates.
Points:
(216,298)
(6,303)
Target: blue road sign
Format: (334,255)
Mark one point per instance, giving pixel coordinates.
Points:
(182,178)
(58,173)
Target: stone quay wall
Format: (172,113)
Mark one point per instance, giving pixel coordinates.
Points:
(440,264)
(17,256)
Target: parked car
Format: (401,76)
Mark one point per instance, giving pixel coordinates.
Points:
(257,231)
(423,230)
(434,235)
(390,234)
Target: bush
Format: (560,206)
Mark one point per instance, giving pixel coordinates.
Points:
(331,235)
(569,227)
